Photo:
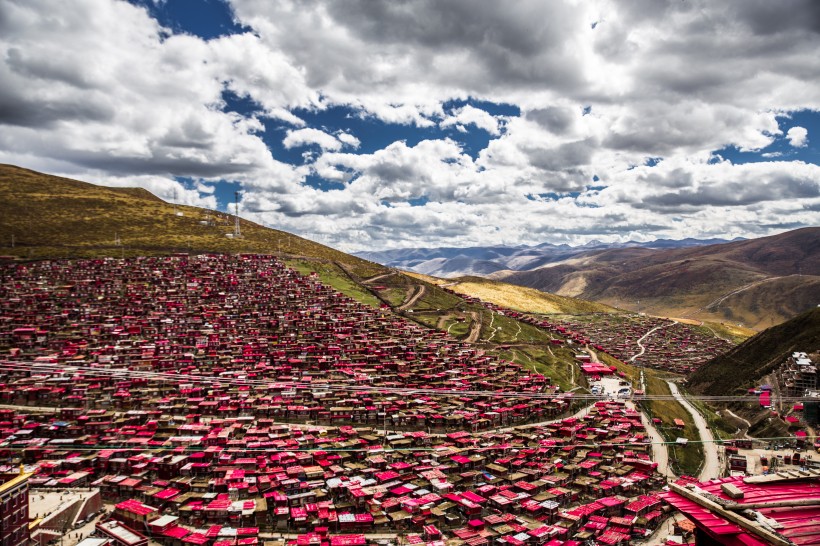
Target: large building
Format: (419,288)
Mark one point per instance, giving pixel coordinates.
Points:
(14,509)
(781,509)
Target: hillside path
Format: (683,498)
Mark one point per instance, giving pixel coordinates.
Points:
(711,464)
(720,300)
(738,417)
(379,277)
(475,328)
(420,290)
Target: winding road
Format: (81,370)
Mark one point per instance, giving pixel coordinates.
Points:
(646,335)
(419,292)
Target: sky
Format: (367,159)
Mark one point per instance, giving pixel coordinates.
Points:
(378,124)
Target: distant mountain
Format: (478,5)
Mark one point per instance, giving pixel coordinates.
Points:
(757,282)
(483,260)
(745,365)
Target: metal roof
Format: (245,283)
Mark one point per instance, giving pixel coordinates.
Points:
(799,524)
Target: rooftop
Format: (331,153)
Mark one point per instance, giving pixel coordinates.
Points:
(785,507)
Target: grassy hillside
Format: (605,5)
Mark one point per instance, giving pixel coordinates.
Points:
(49,216)
(519,298)
(747,363)
(756,283)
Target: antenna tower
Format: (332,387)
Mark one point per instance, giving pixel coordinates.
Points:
(237,231)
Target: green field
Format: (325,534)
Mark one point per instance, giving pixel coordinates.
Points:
(332,275)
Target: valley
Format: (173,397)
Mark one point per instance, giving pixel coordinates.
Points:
(299,393)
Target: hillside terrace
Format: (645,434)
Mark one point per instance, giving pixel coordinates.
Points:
(171,379)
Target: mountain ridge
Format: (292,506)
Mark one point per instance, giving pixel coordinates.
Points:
(756,282)
(479,260)
(749,362)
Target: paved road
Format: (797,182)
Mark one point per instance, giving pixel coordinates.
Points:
(660,451)
(712,467)
(646,335)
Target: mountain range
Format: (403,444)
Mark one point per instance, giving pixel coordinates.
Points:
(755,283)
(450,262)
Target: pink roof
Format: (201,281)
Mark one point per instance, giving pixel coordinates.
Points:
(167,494)
(347,540)
(136,507)
(799,523)
(196,538)
(176,532)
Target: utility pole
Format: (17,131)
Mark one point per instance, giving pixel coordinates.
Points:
(237,230)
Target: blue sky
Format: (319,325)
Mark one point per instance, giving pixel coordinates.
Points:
(372,124)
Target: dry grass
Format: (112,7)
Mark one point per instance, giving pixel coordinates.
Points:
(53,217)
(527,300)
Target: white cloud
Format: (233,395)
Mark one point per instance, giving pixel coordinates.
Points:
(99,85)
(98,90)
(469,115)
(307,136)
(348,139)
(798,137)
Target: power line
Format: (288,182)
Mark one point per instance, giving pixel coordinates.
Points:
(351,385)
(377,448)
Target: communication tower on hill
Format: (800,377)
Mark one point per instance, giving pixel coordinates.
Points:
(237,231)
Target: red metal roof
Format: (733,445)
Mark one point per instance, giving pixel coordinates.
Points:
(801,524)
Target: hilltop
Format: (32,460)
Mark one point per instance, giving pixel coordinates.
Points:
(50,216)
(745,365)
(519,298)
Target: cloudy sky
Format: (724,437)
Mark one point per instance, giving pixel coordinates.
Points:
(372,124)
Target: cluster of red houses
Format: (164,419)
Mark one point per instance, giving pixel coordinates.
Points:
(229,400)
(669,345)
(256,337)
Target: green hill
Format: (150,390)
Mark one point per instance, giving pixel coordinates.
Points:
(46,216)
(747,363)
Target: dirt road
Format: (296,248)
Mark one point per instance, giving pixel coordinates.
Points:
(475,328)
(411,301)
(720,300)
